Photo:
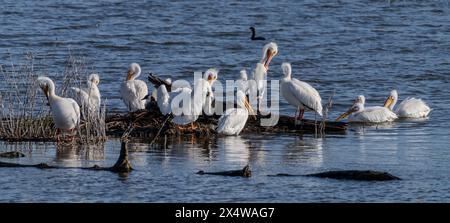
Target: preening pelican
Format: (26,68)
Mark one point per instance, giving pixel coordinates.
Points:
(260,71)
(65,111)
(184,103)
(89,97)
(242,83)
(299,94)
(269,51)
(409,108)
(375,114)
(233,120)
(133,91)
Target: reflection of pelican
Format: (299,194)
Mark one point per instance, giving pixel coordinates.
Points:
(90,96)
(235,149)
(233,120)
(375,114)
(409,108)
(132,90)
(65,111)
(299,94)
(187,104)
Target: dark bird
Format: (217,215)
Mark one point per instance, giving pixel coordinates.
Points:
(254,35)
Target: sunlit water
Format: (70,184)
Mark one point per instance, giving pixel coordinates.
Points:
(350,48)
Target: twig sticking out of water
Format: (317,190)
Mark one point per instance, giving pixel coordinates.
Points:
(160,129)
(325,114)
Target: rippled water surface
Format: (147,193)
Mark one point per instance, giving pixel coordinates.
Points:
(349,47)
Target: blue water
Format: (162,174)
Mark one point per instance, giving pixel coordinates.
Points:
(346,47)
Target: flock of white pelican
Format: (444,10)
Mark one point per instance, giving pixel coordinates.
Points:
(301,95)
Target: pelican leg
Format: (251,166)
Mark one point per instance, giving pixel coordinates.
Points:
(71,137)
(302,112)
(295,116)
(57,132)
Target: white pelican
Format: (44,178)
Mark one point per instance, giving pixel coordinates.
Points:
(184,103)
(375,114)
(90,96)
(299,94)
(65,111)
(260,71)
(233,120)
(242,83)
(133,91)
(409,108)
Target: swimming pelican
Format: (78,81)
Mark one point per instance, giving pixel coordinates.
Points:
(65,111)
(132,90)
(409,108)
(375,114)
(299,94)
(233,120)
(184,103)
(242,83)
(90,96)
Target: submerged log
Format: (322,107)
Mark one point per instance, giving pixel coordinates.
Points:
(360,175)
(245,172)
(13,154)
(147,123)
(122,165)
(363,175)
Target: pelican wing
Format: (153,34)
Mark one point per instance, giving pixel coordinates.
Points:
(77,111)
(232,121)
(374,114)
(305,94)
(163,100)
(132,94)
(412,108)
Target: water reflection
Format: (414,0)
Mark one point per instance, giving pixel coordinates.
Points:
(308,151)
(74,155)
(235,149)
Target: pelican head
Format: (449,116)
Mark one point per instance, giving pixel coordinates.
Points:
(360,99)
(47,86)
(211,75)
(133,71)
(287,70)
(243,102)
(391,100)
(358,105)
(269,51)
(94,78)
(243,75)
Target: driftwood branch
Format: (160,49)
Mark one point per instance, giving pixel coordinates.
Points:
(13,154)
(245,172)
(361,175)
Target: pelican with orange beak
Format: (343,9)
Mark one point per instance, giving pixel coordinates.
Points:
(409,108)
(258,87)
(65,111)
(233,120)
(132,90)
(375,114)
